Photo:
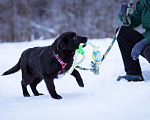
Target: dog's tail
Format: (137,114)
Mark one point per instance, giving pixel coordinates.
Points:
(13,69)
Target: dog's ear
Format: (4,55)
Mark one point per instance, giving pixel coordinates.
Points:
(63,43)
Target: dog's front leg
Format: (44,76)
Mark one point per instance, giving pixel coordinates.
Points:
(51,87)
(77,75)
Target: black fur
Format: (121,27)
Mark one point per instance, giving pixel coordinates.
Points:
(39,63)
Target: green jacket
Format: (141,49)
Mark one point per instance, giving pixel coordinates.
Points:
(141,15)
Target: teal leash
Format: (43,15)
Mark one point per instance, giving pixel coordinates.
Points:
(126,22)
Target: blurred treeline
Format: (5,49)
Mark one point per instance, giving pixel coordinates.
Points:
(26,20)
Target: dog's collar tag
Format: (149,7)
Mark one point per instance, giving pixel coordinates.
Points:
(60,61)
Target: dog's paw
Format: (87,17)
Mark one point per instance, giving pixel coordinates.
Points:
(26,95)
(81,84)
(39,94)
(57,97)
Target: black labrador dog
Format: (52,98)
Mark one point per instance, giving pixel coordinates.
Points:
(47,62)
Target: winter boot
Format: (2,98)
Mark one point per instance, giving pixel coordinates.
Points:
(134,78)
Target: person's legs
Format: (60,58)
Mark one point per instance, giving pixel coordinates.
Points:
(127,38)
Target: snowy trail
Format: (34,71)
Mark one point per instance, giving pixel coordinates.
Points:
(102,98)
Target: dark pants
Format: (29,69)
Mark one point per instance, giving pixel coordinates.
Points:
(127,38)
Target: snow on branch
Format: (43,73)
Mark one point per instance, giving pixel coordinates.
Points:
(43,27)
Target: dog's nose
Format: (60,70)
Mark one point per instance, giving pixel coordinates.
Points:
(85,39)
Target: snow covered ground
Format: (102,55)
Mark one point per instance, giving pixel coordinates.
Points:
(102,98)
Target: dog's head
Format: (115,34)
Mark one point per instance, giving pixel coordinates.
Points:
(69,41)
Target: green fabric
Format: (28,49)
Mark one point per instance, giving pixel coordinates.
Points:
(141,15)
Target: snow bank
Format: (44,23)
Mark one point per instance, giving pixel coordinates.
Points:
(102,98)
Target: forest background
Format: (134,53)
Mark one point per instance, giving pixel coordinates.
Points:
(27,20)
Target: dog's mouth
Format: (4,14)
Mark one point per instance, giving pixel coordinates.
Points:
(84,44)
(84,41)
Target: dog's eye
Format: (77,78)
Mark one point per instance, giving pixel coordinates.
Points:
(75,37)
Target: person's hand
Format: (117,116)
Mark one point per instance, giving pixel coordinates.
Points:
(138,48)
(123,8)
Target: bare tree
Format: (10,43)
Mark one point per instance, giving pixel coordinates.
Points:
(21,19)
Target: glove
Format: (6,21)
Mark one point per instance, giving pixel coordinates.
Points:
(123,8)
(138,48)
